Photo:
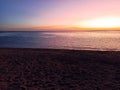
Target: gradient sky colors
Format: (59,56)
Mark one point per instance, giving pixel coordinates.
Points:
(60,14)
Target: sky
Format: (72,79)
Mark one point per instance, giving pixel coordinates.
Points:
(59,14)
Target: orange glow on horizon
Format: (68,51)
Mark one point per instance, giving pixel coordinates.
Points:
(100,23)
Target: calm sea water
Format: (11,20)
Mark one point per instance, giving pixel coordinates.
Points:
(82,40)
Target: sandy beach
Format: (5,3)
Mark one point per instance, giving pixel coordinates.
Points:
(50,69)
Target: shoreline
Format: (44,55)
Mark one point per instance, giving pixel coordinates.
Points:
(57,69)
(61,49)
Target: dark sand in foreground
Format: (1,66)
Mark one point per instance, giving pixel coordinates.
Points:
(44,69)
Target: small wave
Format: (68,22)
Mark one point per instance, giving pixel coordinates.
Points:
(6,34)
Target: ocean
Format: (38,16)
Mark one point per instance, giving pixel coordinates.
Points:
(76,40)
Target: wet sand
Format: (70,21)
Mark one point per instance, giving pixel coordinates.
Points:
(45,69)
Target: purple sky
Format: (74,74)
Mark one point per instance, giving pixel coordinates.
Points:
(39,13)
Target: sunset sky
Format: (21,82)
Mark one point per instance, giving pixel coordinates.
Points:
(60,14)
